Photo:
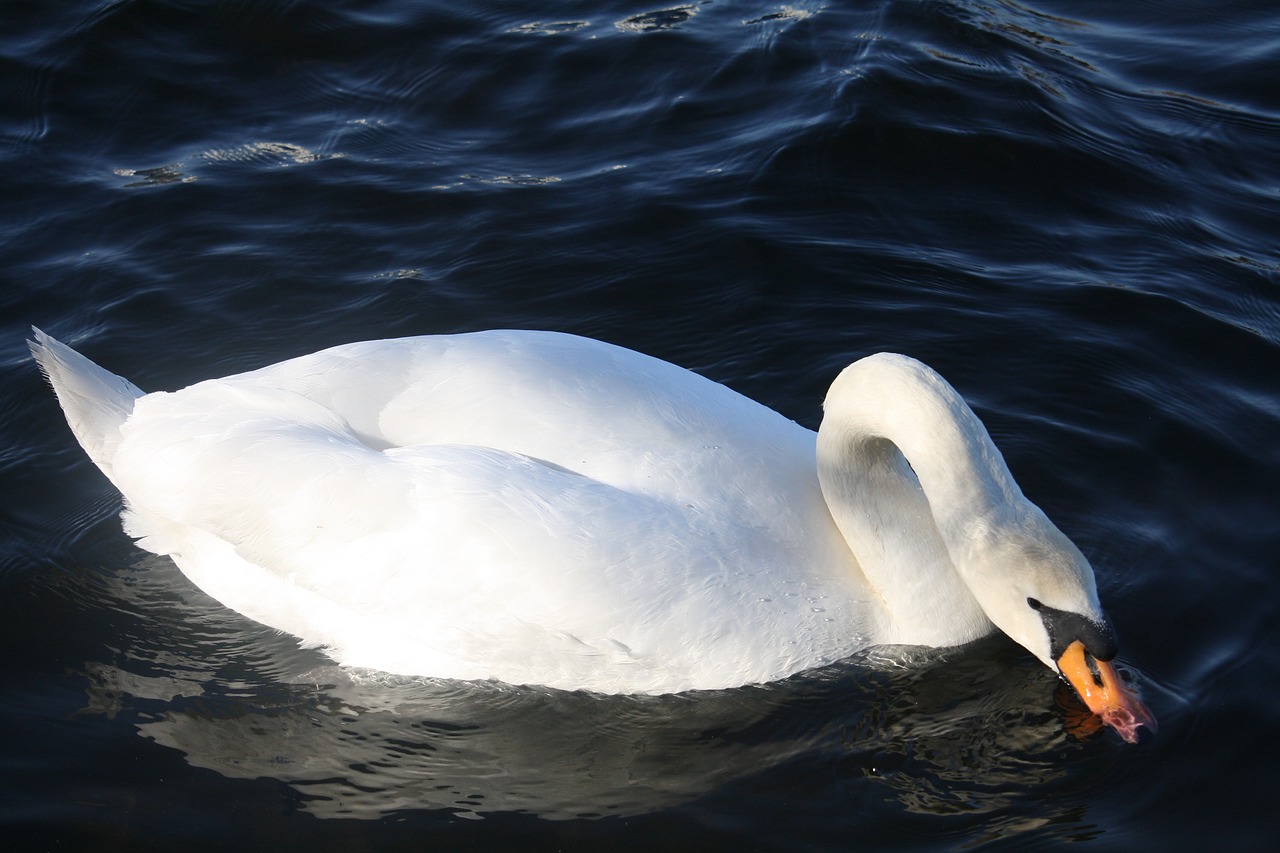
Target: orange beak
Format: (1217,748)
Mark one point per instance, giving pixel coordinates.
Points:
(1100,687)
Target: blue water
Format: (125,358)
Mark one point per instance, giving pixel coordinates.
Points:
(1068,208)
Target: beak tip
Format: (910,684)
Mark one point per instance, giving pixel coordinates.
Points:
(1106,695)
(1134,725)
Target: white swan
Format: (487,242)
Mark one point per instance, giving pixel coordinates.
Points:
(540,508)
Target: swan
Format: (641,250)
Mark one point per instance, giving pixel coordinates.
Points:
(540,508)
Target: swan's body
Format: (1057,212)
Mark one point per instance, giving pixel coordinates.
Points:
(540,508)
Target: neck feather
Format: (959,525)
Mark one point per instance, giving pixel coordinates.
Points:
(912,480)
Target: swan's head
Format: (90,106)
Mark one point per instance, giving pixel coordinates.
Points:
(1042,593)
(897,445)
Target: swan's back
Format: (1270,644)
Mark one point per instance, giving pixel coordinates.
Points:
(624,418)
(532,507)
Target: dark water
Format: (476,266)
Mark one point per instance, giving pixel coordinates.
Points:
(1068,208)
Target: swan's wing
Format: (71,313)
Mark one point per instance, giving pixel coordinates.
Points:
(450,560)
(615,415)
(525,506)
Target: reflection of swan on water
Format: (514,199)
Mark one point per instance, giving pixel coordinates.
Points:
(539,508)
(489,749)
(940,731)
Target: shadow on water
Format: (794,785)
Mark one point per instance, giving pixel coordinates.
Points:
(972,733)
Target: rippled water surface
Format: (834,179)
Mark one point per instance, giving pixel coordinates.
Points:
(1068,208)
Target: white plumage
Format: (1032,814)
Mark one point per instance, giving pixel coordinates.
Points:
(545,509)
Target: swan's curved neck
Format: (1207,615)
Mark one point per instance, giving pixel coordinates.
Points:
(913,481)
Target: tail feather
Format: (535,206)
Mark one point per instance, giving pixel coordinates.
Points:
(95,401)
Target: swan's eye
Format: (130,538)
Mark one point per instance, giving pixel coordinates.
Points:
(1035,605)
